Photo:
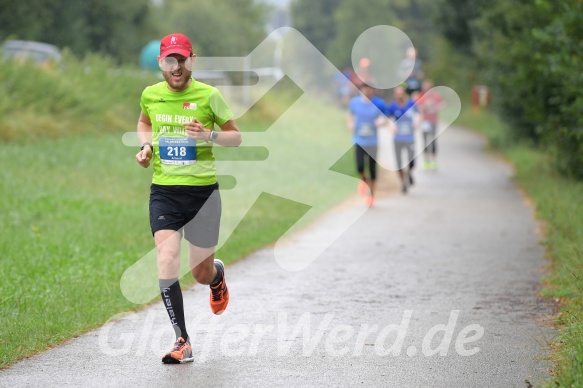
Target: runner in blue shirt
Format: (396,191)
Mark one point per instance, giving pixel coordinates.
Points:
(365,111)
(403,110)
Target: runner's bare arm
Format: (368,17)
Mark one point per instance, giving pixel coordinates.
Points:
(145,136)
(350,121)
(228,136)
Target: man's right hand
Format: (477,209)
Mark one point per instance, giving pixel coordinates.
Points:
(144,156)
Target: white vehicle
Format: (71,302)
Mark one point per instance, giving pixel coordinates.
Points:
(43,54)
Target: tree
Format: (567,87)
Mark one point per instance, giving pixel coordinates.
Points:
(454,19)
(560,43)
(528,53)
(107,26)
(315,20)
(216,28)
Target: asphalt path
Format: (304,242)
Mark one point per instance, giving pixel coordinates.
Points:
(437,288)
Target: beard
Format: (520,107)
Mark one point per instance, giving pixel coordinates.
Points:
(177,80)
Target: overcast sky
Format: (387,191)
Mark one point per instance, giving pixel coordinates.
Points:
(279,3)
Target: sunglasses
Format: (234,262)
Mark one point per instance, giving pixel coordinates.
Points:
(171,63)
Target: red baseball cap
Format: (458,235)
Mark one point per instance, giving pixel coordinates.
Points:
(175,44)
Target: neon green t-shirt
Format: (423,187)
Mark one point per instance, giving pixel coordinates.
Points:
(179,160)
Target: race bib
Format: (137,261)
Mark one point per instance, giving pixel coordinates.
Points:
(365,130)
(404,127)
(177,151)
(426,126)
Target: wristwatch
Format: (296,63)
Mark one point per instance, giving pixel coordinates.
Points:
(213,136)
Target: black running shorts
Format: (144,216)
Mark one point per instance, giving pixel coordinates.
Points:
(192,210)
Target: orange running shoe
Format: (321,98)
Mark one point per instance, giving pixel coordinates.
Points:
(369,201)
(219,293)
(181,352)
(362,188)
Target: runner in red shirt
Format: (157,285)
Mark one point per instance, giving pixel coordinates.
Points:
(429,103)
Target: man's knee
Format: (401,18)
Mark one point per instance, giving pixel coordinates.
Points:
(167,246)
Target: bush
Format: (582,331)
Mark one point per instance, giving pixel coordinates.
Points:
(83,95)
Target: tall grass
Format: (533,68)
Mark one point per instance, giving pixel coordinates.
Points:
(81,96)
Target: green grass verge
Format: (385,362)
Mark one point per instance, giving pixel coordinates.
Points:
(74,203)
(558,204)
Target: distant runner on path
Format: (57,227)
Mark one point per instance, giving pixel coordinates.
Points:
(364,112)
(429,104)
(402,109)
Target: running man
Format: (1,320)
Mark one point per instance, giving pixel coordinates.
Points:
(429,104)
(403,110)
(411,69)
(176,130)
(365,112)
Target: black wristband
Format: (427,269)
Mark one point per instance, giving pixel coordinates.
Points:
(145,144)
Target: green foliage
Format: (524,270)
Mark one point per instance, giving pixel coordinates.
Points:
(83,96)
(314,19)
(450,68)
(216,28)
(334,25)
(120,29)
(560,55)
(529,53)
(454,19)
(352,19)
(416,19)
(519,91)
(111,27)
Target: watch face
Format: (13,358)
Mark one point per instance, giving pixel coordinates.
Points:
(214,135)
